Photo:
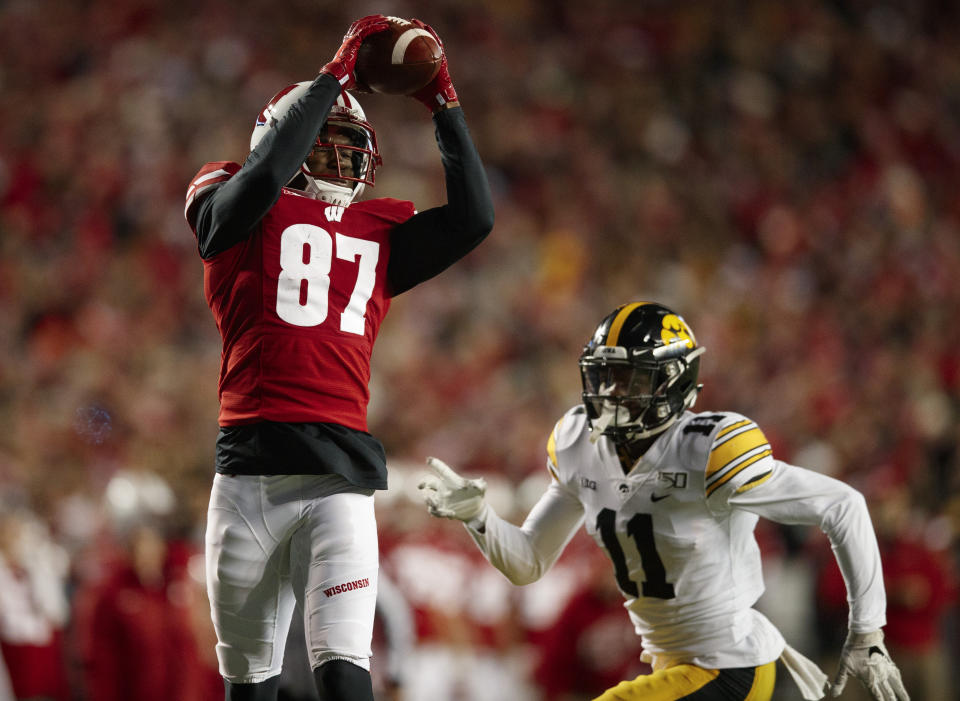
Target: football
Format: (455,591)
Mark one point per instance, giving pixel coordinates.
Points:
(398,61)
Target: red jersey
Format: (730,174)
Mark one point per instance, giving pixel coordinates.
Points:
(298,304)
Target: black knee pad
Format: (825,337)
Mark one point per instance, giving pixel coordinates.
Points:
(339,680)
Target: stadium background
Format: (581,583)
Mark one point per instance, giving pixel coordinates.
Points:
(784,176)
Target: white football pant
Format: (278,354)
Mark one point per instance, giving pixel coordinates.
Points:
(276,541)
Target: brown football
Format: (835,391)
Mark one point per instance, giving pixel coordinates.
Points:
(398,61)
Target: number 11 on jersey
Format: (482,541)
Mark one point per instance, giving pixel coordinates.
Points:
(640,528)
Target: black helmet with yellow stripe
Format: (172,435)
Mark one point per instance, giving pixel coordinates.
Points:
(639,371)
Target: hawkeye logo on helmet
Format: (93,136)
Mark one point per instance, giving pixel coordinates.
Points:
(675,328)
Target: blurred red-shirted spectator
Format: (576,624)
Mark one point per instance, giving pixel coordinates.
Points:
(33,607)
(135,628)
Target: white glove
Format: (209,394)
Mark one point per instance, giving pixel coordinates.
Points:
(448,495)
(865,657)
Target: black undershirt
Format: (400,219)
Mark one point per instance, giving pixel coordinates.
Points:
(275,448)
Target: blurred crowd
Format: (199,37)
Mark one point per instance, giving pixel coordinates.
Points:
(782,174)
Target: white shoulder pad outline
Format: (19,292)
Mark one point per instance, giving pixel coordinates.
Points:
(564,434)
(212,175)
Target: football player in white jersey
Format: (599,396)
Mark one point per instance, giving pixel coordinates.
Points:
(673,497)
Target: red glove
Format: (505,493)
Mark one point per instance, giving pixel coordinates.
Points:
(439,93)
(343,63)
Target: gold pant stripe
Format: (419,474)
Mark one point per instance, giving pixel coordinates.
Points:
(679,682)
(763,682)
(664,685)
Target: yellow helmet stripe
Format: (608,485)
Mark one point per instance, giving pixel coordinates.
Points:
(613,335)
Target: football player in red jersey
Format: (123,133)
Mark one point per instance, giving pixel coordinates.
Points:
(299,274)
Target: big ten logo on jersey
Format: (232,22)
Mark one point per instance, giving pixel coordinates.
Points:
(676,329)
(307,253)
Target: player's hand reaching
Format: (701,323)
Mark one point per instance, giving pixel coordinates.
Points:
(439,93)
(448,495)
(342,66)
(865,657)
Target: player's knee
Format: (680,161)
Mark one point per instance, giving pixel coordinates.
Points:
(340,680)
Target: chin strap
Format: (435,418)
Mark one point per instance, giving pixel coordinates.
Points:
(611,412)
(599,425)
(331,194)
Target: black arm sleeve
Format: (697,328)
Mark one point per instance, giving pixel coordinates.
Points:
(432,240)
(228,215)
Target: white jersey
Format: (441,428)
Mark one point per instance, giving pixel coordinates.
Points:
(678,529)
(687,564)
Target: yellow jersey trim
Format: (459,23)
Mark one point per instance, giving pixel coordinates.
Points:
(755,482)
(737,470)
(736,441)
(552,451)
(732,427)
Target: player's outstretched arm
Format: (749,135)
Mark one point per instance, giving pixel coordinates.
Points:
(523,554)
(865,657)
(431,241)
(448,495)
